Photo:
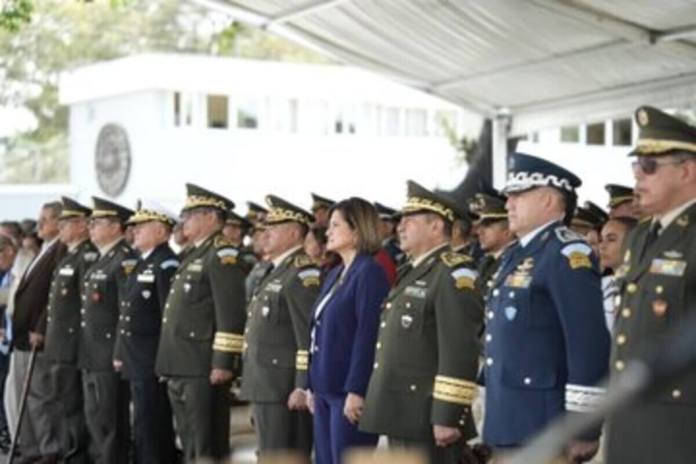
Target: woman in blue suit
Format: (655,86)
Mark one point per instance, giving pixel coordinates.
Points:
(344,331)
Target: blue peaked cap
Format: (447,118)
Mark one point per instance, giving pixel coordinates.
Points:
(526,172)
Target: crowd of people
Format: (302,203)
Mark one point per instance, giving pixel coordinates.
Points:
(139,328)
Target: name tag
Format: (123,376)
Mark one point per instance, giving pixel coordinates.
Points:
(415,292)
(518,280)
(147,278)
(99,276)
(194,267)
(67,271)
(670,267)
(274,287)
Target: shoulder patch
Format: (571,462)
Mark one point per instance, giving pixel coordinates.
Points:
(172,262)
(578,255)
(452,259)
(310,277)
(464,278)
(303,261)
(566,235)
(228,255)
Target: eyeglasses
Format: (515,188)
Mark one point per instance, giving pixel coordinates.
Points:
(649,165)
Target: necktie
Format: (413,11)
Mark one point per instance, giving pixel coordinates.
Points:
(652,236)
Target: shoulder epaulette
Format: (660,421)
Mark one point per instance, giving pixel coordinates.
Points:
(452,259)
(222,242)
(303,261)
(566,235)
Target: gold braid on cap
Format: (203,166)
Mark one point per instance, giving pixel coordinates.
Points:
(99,213)
(69,213)
(616,201)
(415,204)
(282,215)
(145,215)
(656,146)
(196,201)
(493,215)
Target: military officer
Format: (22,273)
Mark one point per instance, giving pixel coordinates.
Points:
(423,381)
(389,219)
(588,221)
(256,213)
(105,394)
(142,305)
(622,201)
(201,336)
(320,209)
(493,233)
(236,228)
(277,335)
(546,342)
(63,330)
(658,291)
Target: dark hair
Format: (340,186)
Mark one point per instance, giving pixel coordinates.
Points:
(363,219)
(13,228)
(55,207)
(319,233)
(627,222)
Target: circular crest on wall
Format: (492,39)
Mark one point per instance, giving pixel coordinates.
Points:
(112,159)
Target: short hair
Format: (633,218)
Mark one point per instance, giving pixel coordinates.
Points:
(363,219)
(13,228)
(7,242)
(55,207)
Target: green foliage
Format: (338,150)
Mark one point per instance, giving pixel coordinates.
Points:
(41,39)
(15,13)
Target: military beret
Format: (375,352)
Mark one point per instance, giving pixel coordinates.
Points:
(105,208)
(660,133)
(283,211)
(198,197)
(421,200)
(618,194)
(150,210)
(527,172)
(72,209)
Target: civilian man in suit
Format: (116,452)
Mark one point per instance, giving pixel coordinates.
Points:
(139,324)
(63,331)
(28,323)
(276,342)
(105,394)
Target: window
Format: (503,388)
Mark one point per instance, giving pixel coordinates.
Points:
(217,111)
(393,122)
(570,134)
(621,132)
(416,121)
(183,109)
(595,133)
(248,114)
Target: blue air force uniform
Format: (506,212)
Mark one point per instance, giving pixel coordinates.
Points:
(546,344)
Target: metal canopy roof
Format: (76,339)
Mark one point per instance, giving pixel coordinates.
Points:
(545,62)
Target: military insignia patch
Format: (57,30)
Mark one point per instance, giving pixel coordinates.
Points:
(90,256)
(194,267)
(302,261)
(228,255)
(642,117)
(510,313)
(464,278)
(274,287)
(406,321)
(309,277)
(169,263)
(673,254)
(415,292)
(518,280)
(566,235)
(128,265)
(146,294)
(452,259)
(66,271)
(670,267)
(578,255)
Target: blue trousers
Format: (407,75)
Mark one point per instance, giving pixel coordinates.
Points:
(333,434)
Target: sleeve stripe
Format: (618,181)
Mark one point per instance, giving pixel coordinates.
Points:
(302,360)
(453,390)
(228,342)
(580,398)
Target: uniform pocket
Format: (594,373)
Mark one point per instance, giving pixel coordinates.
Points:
(276,357)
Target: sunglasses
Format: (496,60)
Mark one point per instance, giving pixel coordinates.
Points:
(649,166)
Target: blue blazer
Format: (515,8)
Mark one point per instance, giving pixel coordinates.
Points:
(345,332)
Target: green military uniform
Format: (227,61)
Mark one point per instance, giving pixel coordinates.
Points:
(201,330)
(276,342)
(427,351)
(247,256)
(105,393)
(62,338)
(658,292)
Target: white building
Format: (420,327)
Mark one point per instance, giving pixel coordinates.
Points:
(144,125)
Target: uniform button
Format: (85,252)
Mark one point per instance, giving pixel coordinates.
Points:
(127,318)
(631,288)
(413,388)
(83,324)
(164,320)
(489,361)
(383,325)
(511,294)
(378,345)
(527,381)
(626,313)
(84,298)
(120,317)
(128,334)
(389,305)
(462,422)
(123,331)
(489,337)
(490,314)
(48,319)
(166,306)
(82,311)
(619,365)
(248,313)
(659,289)
(375,365)
(246,331)
(408,304)
(177,277)
(620,339)
(316,349)
(496,292)
(676,394)
(318,323)
(192,334)
(108,335)
(274,361)
(70,330)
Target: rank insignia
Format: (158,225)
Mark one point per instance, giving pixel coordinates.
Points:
(128,265)
(464,278)
(228,255)
(518,280)
(146,294)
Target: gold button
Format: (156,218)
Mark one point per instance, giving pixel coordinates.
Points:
(389,305)
(659,289)
(413,388)
(626,312)
(375,365)
(383,325)
(379,345)
(619,365)
(192,334)
(621,339)
(632,288)
(676,394)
